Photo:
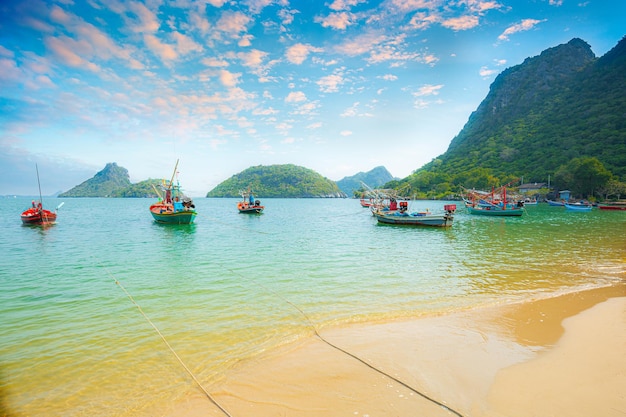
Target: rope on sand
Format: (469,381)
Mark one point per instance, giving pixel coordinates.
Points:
(130,297)
(364,362)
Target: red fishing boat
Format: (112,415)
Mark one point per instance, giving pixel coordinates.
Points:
(37,215)
(615,205)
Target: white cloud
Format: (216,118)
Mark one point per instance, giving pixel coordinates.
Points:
(295,97)
(298,53)
(361,44)
(233,23)
(524,25)
(344,4)
(330,83)
(486,72)
(461,23)
(214,62)
(338,21)
(229,79)
(428,90)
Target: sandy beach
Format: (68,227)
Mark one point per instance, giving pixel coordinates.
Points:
(557,356)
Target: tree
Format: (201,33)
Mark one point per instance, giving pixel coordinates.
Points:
(583,176)
(613,187)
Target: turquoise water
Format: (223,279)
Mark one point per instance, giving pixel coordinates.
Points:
(72,343)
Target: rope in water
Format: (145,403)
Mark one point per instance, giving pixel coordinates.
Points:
(364,362)
(130,297)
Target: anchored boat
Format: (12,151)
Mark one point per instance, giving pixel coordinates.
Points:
(173,207)
(403,217)
(37,215)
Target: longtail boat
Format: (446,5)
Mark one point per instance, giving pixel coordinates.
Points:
(495,203)
(173,207)
(36,215)
(403,217)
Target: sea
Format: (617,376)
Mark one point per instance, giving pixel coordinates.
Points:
(88,304)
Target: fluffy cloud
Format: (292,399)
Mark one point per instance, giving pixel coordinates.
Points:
(338,21)
(298,53)
(295,97)
(524,25)
(330,83)
(461,23)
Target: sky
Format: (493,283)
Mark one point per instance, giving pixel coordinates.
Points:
(336,86)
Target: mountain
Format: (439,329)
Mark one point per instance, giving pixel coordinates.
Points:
(374,178)
(105,183)
(284,181)
(537,117)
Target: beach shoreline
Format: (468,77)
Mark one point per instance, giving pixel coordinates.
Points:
(558,355)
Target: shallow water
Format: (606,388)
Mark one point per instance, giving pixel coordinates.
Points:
(232,286)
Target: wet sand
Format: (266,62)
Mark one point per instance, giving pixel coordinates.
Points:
(558,356)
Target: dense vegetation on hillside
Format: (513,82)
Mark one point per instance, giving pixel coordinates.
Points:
(538,116)
(105,183)
(113,181)
(286,181)
(374,178)
(143,189)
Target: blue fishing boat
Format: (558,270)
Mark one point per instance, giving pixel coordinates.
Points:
(578,207)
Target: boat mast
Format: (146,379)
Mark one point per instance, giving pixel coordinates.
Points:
(39,185)
(171,186)
(42,215)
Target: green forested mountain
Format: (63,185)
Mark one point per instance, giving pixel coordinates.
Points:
(113,181)
(286,181)
(104,184)
(374,178)
(537,117)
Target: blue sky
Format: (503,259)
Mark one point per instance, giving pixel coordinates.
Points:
(337,86)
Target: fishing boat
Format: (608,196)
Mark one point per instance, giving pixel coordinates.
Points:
(495,203)
(248,204)
(556,203)
(577,207)
(173,207)
(615,205)
(495,210)
(404,218)
(36,215)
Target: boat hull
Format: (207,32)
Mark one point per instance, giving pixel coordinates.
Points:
(163,214)
(246,208)
(616,207)
(429,220)
(556,203)
(35,217)
(570,207)
(496,211)
(252,210)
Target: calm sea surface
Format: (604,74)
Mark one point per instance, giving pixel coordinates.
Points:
(72,343)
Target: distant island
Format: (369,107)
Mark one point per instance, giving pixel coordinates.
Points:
(113,181)
(284,181)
